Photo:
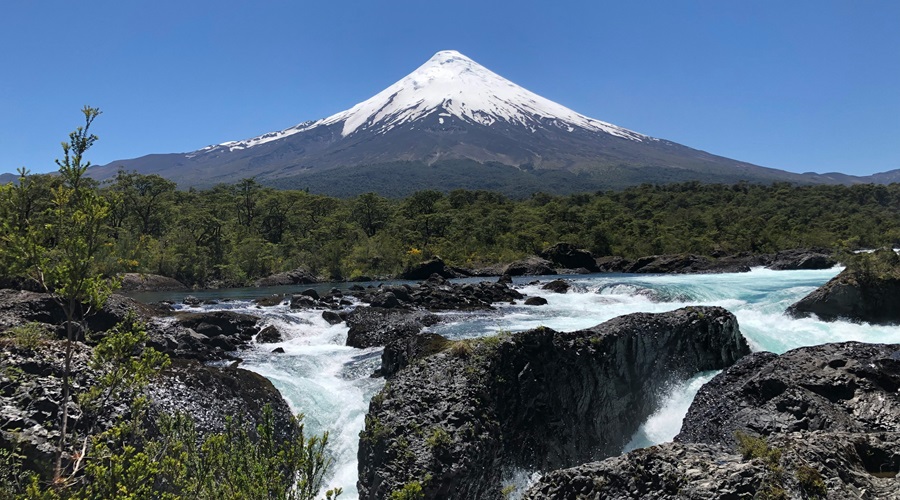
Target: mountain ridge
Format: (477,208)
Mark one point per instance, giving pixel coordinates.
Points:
(452,111)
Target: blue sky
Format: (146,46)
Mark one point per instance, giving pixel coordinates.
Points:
(800,85)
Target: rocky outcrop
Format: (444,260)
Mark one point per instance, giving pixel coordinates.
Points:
(212,394)
(792,260)
(295,277)
(31,391)
(424,270)
(557,286)
(18,307)
(532,266)
(438,294)
(568,256)
(855,297)
(849,386)
(376,327)
(834,465)
(140,282)
(822,423)
(538,399)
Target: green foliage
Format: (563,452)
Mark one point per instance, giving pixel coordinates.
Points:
(461,348)
(811,481)
(752,447)
(410,491)
(883,264)
(439,439)
(236,234)
(29,335)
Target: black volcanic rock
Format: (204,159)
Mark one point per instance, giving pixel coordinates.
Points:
(849,386)
(538,399)
(557,286)
(142,282)
(424,270)
(834,465)
(827,414)
(295,277)
(853,296)
(568,256)
(372,326)
(793,260)
(532,266)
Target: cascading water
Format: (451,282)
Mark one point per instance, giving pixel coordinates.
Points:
(330,383)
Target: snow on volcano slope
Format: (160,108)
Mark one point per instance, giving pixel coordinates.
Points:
(449,84)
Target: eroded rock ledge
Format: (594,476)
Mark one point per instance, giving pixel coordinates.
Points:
(539,399)
(827,414)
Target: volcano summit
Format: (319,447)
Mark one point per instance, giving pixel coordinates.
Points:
(452,123)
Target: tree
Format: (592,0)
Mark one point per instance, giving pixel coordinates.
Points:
(61,254)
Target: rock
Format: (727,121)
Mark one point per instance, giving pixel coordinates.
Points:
(210,394)
(141,282)
(535,301)
(792,260)
(302,301)
(557,286)
(385,300)
(815,465)
(425,269)
(827,413)
(190,300)
(438,294)
(270,301)
(371,327)
(504,279)
(568,256)
(278,350)
(407,349)
(268,335)
(685,264)
(295,277)
(332,317)
(18,307)
(311,293)
(536,400)
(532,266)
(855,297)
(848,386)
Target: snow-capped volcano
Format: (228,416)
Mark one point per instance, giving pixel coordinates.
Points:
(449,85)
(452,85)
(450,123)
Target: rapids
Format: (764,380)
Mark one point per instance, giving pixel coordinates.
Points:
(330,382)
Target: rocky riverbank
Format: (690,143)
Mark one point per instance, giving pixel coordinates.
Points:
(539,399)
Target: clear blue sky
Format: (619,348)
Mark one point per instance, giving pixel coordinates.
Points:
(799,85)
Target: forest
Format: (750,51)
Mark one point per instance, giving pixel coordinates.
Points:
(231,235)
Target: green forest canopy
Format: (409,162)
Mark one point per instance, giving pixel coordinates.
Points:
(236,233)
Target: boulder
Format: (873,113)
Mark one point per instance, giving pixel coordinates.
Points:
(408,349)
(375,327)
(815,465)
(557,286)
(268,335)
(425,269)
(815,422)
(332,317)
(853,296)
(532,266)
(568,256)
(848,386)
(792,260)
(270,301)
(535,301)
(538,399)
(142,282)
(295,277)
(211,394)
